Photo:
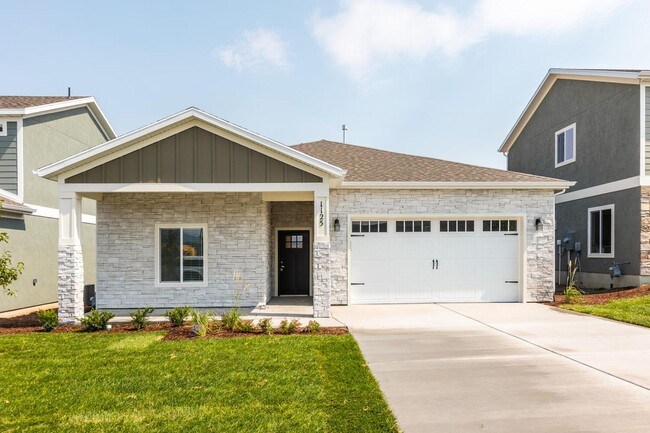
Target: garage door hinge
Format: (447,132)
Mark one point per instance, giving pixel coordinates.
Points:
(512,281)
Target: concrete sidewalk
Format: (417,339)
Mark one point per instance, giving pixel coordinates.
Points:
(504,367)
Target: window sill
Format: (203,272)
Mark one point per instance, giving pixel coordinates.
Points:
(196,285)
(563,163)
(600,256)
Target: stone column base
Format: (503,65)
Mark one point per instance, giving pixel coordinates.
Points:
(71,283)
(322,279)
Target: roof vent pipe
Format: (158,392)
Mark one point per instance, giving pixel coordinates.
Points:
(69,92)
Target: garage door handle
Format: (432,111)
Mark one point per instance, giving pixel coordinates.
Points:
(511,234)
(357,284)
(512,281)
(357,236)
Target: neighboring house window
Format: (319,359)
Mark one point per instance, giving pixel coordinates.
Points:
(3,128)
(181,254)
(601,231)
(565,145)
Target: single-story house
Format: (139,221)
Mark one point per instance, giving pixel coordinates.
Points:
(194,210)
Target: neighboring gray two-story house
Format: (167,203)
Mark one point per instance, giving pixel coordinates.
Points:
(35,131)
(591,126)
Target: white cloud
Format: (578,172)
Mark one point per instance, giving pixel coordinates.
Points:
(256,50)
(367,33)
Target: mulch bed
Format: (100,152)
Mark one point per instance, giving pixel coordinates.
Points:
(602,296)
(30,323)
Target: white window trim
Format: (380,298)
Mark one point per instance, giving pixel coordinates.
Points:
(3,130)
(562,131)
(203,283)
(613,226)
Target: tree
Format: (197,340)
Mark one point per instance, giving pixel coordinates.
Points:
(8,272)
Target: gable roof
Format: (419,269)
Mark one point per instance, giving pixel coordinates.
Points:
(15,207)
(93,155)
(625,76)
(366,165)
(28,106)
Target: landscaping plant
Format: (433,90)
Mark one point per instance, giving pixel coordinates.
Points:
(139,318)
(232,320)
(49,319)
(572,293)
(265,325)
(8,272)
(178,315)
(289,327)
(313,326)
(201,322)
(96,320)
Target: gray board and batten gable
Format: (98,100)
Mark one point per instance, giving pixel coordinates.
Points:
(194,156)
(607,133)
(647,131)
(9,159)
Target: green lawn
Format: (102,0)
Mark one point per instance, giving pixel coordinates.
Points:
(135,382)
(630,310)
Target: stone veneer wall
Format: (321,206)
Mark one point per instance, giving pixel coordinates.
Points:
(238,240)
(71,283)
(534,203)
(645,231)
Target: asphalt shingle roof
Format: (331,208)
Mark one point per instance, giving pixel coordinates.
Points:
(365,164)
(32,101)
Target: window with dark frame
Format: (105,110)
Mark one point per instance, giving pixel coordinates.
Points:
(369,226)
(601,230)
(499,225)
(181,254)
(454,226)
(413,226)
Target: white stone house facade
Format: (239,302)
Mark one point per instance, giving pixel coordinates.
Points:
(193,210)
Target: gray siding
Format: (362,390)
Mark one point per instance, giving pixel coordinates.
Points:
(607,133)
(9,159)
(194,156)
(572,216)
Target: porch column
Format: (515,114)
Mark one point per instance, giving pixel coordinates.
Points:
(71,264)
(321,254)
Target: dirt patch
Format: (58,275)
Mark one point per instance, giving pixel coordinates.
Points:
(602,296)
(185,333)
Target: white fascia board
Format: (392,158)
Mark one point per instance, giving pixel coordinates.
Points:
(189,187)
(556,185)
(554,74)
(53,170)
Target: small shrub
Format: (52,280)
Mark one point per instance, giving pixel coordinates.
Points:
(178,315)
(265,325)
(96,320)
(232,319)
(201,321)
(245,326)
(139,318)
(290,327)
(49,319)
(572,294)
(313,326)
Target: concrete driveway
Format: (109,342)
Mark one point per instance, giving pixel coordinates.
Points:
(505,367)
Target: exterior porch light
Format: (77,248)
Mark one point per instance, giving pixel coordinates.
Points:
(337,225)
(538,223)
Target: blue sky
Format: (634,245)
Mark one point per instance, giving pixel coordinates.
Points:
(446,79)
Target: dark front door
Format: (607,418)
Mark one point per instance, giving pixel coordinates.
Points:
(293,262)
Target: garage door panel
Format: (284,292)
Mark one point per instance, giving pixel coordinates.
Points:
(434,266)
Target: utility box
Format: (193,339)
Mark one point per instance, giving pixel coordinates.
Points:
(568,241)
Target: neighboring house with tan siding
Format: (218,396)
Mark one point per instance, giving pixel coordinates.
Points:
(192,208)
(593,127)
(36,131)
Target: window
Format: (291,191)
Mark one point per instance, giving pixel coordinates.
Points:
(565,145)
(412,226)
(3,128)
(293,242)
(181,254)
(500,225)
(601,231)
(457,226)
(369,226)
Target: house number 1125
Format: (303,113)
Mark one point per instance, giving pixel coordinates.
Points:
(321,216)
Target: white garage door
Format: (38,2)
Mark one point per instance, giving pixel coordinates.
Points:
(406,260)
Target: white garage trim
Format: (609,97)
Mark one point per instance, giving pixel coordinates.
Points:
(519,217)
